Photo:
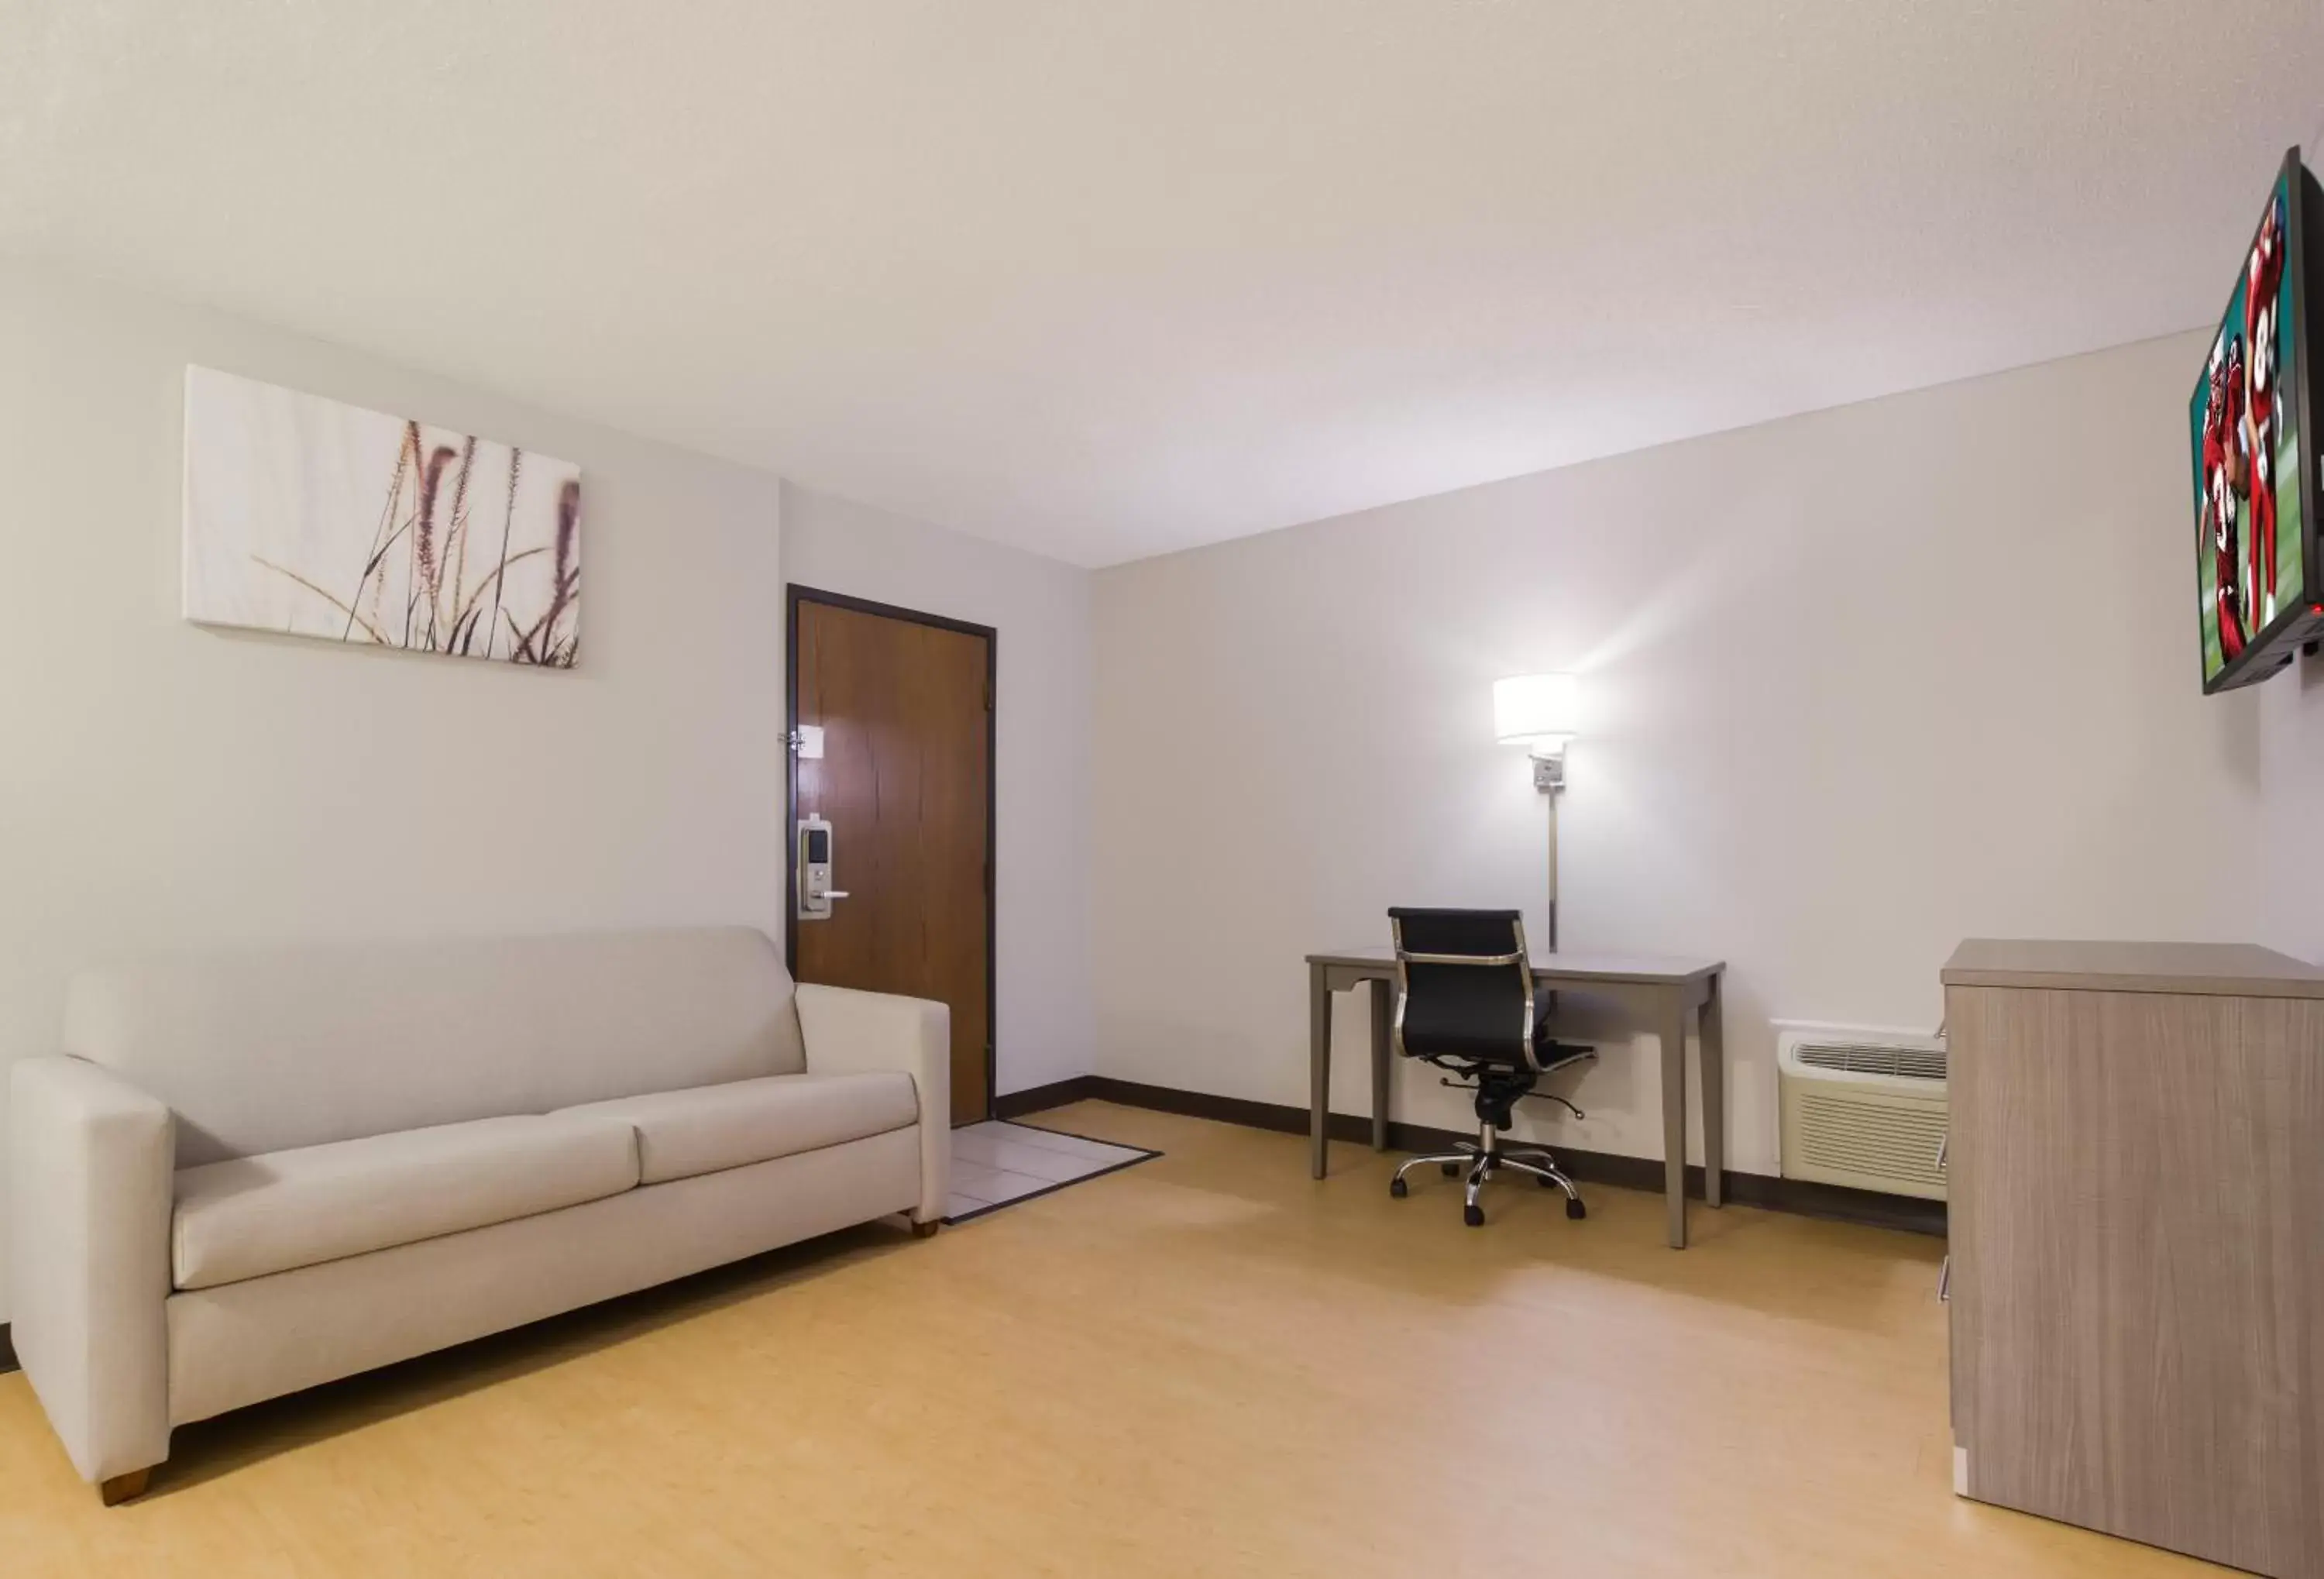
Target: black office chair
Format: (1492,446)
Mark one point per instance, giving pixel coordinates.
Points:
(1465,1001)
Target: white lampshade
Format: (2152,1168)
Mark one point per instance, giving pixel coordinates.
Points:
(1542,711)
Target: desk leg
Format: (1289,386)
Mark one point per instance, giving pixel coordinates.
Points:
(1319,1068)
(1671,1025)
(1714,1099)
(1382,1060)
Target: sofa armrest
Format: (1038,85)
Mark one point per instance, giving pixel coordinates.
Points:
(90,1158)
(848,1032)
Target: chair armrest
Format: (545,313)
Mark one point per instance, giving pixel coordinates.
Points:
(90,1159)
(848,1032)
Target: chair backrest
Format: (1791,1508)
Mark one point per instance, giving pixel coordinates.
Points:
(1465,988)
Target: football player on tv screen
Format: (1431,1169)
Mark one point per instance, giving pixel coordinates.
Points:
(2222,460)
(2262,413)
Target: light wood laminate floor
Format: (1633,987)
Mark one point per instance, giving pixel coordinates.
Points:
(1205,1365)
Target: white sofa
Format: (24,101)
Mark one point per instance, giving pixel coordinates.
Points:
(253,1173)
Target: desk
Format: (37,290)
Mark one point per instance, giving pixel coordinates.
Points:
(1660,991)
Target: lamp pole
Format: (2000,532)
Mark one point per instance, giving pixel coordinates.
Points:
(1552,799)
(1541,712)
(1549,778)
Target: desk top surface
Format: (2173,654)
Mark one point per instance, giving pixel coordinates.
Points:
(2236,970)
(1569,965)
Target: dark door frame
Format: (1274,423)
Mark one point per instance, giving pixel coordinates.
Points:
(797,595)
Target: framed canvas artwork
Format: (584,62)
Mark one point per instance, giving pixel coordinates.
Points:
(312,518)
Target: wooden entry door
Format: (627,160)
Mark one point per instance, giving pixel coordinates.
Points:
(905,704)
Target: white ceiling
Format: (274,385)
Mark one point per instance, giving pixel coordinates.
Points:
(1106,278)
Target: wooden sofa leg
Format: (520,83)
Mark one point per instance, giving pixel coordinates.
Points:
(926,1230)
(122,1487)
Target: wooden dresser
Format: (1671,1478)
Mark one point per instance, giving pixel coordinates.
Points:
(2136,1183)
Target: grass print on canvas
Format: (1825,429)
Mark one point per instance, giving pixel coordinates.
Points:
(307,516)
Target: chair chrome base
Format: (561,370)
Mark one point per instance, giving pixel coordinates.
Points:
(1486,1158)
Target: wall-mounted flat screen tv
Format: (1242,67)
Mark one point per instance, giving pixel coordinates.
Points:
(2256,515)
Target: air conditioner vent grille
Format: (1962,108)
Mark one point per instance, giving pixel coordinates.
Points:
(1871,1059)
(1862,1108)
(1898,1144)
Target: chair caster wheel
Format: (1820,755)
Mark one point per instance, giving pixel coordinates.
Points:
(1449,1169)
(1396,1188)
(1474,1216)
(1576,1210)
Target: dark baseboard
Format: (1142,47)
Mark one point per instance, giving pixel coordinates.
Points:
(1016,1104)
(7,1351)
(1907,1212)
(1836,1203)
(1227,1110)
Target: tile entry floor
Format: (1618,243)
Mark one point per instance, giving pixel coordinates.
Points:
(995,1163)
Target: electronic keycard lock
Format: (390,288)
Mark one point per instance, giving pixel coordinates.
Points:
(815,891)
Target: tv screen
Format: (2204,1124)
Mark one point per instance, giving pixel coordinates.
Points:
(2254,511)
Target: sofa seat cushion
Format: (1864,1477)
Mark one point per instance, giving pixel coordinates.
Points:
(253,1216)
(706,1128)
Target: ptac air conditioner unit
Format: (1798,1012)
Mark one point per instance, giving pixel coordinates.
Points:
(1864,1109)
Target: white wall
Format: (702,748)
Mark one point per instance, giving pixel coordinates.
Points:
(1043,1017)
(1866,681)
(163,785)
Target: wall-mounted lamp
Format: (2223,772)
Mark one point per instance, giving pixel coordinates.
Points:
(1543,712)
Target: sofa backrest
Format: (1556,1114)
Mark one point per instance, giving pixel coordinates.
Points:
(261,1051)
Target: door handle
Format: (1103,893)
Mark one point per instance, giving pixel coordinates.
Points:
(1945,1281)
(1943,1142)
(815,849)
